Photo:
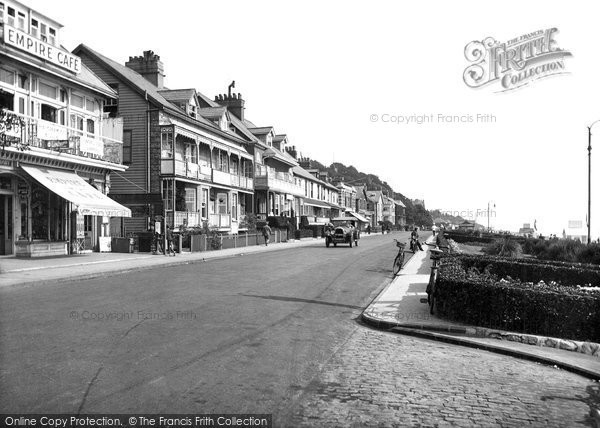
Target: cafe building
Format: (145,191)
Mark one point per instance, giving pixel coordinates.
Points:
(57,148)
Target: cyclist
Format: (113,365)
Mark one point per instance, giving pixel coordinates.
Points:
(415,237)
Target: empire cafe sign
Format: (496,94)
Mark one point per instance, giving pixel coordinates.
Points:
(53,54)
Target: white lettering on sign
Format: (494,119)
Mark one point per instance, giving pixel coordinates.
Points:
(43,50)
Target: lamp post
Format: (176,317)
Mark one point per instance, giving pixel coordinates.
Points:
(488,214)
(589,216)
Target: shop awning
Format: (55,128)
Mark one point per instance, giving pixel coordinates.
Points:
(74,189)
(315,203)
(357,216)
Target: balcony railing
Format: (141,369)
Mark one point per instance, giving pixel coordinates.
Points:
(47,135)
(220,177)
(187,218)
(277,180)
(219,220)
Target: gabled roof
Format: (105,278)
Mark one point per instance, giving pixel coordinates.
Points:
(242,128)
(263,130)
(374,195)
(143,86)
(278,138)
(204,99)
(272,152)
(249,124)
(177,95)
(399,202)
(212,112)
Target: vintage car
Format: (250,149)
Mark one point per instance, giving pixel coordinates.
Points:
(341,231)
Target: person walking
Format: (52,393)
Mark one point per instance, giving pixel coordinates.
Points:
(267,234)
(170,241)
(369,229)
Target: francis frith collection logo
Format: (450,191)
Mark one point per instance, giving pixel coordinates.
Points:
(514,63)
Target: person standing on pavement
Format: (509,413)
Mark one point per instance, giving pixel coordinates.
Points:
(267,234)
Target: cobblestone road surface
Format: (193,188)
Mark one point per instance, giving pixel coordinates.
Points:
(383,379)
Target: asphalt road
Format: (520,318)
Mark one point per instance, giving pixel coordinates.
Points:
(251,334)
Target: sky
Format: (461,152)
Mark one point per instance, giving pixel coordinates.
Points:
(337,76)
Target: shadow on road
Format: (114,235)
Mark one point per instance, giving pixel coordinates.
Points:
(297,299)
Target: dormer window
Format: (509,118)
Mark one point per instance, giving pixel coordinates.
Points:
(192,110)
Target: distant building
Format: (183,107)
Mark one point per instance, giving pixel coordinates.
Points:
(527,230)
(400,213)
(577,231)
(419,202)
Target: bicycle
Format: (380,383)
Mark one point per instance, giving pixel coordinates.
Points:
(435,257)
(399,260)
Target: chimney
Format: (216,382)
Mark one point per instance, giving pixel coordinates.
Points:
(149,66)
(292,152)
(305,163)
(233,102)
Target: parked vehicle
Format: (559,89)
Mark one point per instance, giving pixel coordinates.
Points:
(341,231)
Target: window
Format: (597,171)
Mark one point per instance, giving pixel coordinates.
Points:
(48,90)
(190,153)
(63,96)
(190,199)
(52,36)
(34,27)
(49,113)
(43,34)
(63,119)
(21,21)
(11,16)
(90,105)
(127,146)
(22,80)
(77,101)
(90,126)
(166,142)
(204,212)
(7,76)
(22,105)
(167,194)
(87,223)
(111,105)
(1,11)
(222,203)
(234,205)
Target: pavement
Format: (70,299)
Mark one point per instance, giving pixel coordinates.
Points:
(30,271)
(401,308)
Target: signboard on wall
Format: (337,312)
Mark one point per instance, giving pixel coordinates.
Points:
(40,49)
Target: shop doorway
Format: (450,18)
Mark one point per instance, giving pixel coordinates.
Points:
(6,225)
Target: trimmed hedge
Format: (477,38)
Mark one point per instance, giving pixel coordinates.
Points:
(477,290)
(533,270)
